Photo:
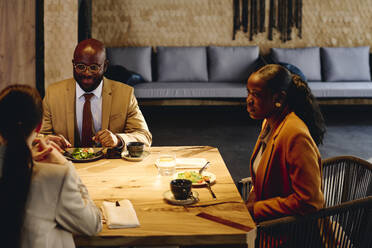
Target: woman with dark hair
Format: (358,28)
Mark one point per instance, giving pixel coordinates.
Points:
(285,164)
(43,202)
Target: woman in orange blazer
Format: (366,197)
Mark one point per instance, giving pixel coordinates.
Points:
(285,164)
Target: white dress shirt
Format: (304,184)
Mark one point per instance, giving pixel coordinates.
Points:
(264,138)
(95,105)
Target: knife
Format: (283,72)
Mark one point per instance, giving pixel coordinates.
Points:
(209,187)
(68,155)
(203,168)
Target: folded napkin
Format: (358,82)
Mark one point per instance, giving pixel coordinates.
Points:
(190,162)
(123,216)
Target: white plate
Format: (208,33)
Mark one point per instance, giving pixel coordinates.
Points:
(205,173)
(126,156)
(170,198)
(98,154)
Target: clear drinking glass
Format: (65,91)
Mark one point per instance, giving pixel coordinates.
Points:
(166,164)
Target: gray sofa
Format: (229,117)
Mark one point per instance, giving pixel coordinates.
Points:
(221,72)
(188,72)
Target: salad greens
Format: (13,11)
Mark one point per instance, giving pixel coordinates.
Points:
(83,153)
(193,176)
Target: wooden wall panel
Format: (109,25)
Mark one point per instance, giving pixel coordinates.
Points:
(17,42)
(60,37)
(210,22)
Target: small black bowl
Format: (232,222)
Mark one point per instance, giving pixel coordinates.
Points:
(135,149)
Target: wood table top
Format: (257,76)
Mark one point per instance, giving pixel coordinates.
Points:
(160,222)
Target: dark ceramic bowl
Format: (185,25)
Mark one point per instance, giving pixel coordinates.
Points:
(135,149)
(181,188)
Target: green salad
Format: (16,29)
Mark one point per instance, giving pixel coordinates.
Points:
(193,176)
(83,153)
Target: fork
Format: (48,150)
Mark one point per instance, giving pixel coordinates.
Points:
(208,182)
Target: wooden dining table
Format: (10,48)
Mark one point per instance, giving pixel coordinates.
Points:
(162,223)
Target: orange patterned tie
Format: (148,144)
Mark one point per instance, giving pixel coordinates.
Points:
(87,131)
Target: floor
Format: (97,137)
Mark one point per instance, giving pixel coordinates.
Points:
(349,131)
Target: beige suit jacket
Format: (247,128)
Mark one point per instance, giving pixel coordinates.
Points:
(120,111)
(58,205)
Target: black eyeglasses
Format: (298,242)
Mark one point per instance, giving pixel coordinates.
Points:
(94,68)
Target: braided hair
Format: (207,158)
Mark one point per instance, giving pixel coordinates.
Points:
(21,110)
(299,97)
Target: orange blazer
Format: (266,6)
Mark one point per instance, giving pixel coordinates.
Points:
(120,111)
(288,178)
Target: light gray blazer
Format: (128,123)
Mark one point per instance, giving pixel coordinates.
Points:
(58,205)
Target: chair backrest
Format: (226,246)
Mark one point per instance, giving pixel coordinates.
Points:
(346,220)
(346,225)
(346,178)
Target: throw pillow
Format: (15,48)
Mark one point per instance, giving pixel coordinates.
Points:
(346,63)
(135,59)
(182,64)
(232,64)
(307,59)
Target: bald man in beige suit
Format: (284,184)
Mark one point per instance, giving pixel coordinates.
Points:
(116,114)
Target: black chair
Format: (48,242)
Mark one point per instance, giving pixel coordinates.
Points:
(346,220)
(346,178)
(324,228)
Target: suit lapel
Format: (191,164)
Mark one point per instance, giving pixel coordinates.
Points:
(106,103)
(266,162)
(263,167)
(70,111)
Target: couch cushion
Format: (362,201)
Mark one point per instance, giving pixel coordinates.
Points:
(341,89)
(193,90)
(182,64)
(307,59)
(135,59)
(232,64)
(346,63)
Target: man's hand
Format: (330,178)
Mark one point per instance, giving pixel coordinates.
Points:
(106,138)
(58,140)
(47,153)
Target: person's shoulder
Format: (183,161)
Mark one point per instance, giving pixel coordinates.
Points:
(294,120)
(50,172)
(294,125)
(61,85)
(118,85)
(57,168)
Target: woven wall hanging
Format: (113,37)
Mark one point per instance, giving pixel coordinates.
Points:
(283,16)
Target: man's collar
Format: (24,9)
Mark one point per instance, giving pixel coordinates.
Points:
(97,92)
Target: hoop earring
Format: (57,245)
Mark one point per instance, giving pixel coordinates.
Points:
(278,104)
